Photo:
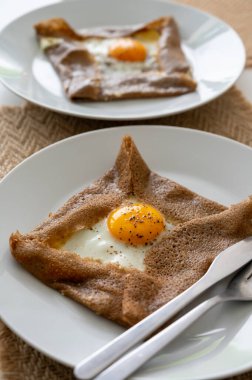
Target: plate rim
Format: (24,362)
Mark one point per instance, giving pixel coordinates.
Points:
(176,129)
(155,114)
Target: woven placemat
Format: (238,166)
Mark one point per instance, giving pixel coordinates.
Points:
(25,130)
(237,13)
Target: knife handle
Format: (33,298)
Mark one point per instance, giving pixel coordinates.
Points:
(129,363)
(94,364)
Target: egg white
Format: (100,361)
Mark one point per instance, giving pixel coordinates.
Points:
(99,48)
(46,42)
(98,244)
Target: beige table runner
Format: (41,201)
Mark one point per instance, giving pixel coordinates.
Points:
(25,130)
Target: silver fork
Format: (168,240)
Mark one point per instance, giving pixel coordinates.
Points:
(238,289)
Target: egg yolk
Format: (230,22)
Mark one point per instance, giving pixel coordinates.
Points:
(136,224)
(128,49)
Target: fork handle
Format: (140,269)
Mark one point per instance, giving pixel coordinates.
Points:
(101,359)
(136,358)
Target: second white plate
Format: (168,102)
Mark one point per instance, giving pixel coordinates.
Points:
(214,50)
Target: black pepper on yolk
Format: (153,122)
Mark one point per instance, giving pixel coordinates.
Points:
(136,224)
(128,49)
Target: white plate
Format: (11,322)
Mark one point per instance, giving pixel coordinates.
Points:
(214,50)
(216,167)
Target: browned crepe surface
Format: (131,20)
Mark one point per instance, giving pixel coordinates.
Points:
(181,257)
(81,75)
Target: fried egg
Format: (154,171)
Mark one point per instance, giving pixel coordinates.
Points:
(123,237)
(133,54)
(136,53)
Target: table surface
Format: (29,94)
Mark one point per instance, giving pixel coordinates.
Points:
(15,8)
